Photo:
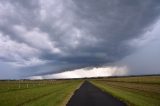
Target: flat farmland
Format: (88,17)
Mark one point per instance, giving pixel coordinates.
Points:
(111,91)
(134,91)
(37,93)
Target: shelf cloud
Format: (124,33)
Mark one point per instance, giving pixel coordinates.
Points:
(86,73)
(39,38)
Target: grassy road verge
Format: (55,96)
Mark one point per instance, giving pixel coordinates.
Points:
(135,91)
(56,94)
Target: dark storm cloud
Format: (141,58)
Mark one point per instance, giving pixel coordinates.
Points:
(115,22)
(74,33)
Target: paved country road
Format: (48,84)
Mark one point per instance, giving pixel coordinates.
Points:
(89,95)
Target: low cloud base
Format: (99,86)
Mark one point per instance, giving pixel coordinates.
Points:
(86,73)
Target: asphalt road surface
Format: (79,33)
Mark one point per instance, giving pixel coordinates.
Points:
(89,95)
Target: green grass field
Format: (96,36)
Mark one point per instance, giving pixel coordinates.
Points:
(37,93)
(135,91)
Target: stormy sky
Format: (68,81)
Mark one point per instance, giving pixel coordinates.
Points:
(61,38)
